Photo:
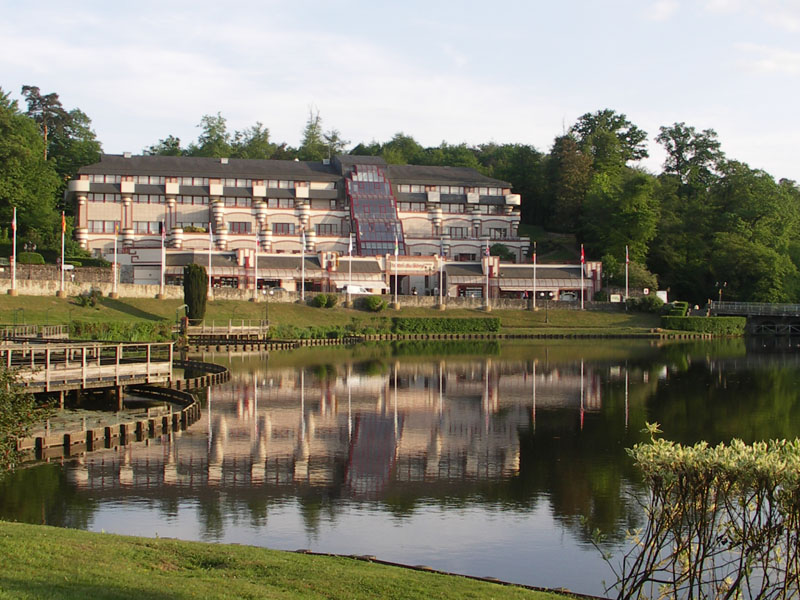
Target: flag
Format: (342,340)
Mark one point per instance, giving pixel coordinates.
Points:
(14,220)
(63,223)
(627,258)
(350,244)
(210,235)
(583,256)
(486,250)
(534,252)
(116,227)
(163,232)
(396,247)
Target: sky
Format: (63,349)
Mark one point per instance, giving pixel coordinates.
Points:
(501,71)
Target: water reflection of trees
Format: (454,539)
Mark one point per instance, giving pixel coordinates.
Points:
(573,460)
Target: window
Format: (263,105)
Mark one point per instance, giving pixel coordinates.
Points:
(234,201)
(146,227)
(327,229)
(283,228)
(192,199)
(280,203)
(453,208)
(458,233)
(102,226)
(240,227)
(498,233)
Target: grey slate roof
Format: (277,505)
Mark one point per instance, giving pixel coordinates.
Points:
(441,175)
(187,166)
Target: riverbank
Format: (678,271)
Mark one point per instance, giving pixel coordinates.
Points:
(50,562)
(287,318)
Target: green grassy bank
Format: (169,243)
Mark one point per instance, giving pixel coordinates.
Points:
(52,310)
(48,562)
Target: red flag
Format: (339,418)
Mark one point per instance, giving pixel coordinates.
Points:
(14,220)
(583,256)
(486,250)
(63,223)
(534,252)
(627,258)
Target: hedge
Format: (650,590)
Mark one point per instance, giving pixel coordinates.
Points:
(423,325)
(714,325)
(30,258)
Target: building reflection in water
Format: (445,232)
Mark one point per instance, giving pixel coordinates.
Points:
(406,422)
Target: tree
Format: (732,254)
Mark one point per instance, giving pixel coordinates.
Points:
(45,110)
(195,291)
(253,143)
(692,156)
(522,166)
(503,252)
(312,146)
(18,413)
(27,180)
(569,174)
(214,140)
(73,146)
(169,146)
(334,142)
(402,149)
(630,137)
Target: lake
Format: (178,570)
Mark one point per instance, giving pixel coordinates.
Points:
(473,457)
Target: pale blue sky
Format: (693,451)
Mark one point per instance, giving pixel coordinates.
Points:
(503,71)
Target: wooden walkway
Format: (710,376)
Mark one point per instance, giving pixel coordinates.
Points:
(59,367)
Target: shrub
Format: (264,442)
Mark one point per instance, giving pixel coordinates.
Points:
(678,309)
(74,263)
(601,296)
(320,300)
(195,291)
(647,304)
(374,303)
(722,522)
(89,299)
(30,258)
(332,300)
(87,261)
(713,325)
(138,331)
(423,325)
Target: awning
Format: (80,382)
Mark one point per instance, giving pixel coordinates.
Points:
(466,279)
(521,285)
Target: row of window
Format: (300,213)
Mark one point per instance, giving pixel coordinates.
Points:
(484,209)
(277,184)
(246,227)
(406,188)
(228,201)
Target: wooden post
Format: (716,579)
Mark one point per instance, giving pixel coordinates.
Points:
(119,396)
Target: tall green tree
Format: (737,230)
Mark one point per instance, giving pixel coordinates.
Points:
(195,291)
(169,146)
(46,110)
(693,156)
(214,139)
(312,145)
(631,139)
(27,180)
(73,146)
(402,149)
(569,174)
(253,143)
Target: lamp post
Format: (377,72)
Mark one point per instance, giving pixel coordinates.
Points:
(547,297)
(720,286)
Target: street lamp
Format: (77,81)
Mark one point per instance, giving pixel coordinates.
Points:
(547,297)
(267,294)
(720,286)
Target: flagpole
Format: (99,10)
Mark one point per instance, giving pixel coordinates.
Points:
(303,265)
(486,254)
(583,261)
(396,254)
(163,255)
(534,275)
(63,231)
(114,287)
(255,263)
(349,270)
(441,273)
(210,247)
(14,255)
(627,260)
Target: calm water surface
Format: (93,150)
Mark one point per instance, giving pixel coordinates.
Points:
(469,457)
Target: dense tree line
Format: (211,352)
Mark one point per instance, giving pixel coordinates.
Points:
(705,223)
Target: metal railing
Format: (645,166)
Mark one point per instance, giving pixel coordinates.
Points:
(755,309)
(229,326)
(47,366)
(33,331)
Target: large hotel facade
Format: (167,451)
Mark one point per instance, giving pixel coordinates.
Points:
(219,212)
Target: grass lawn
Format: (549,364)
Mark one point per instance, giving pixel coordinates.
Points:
(52,310)
(48,562)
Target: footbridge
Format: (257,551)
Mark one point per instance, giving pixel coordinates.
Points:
(763,318)
(59,367)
